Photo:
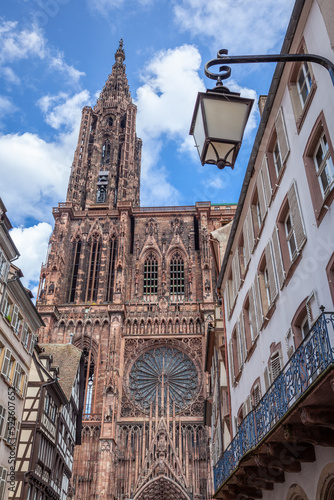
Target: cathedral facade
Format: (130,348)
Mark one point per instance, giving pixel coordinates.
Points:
(134,289)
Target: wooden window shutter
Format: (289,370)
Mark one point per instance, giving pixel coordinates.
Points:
(5,305)
(239,346)
(15,317)
(275,365)
(248,405)
(231,361)
(236,267)
(227,299)
(273,291)
(266,181)
(252,314)
(2,418)
(266,378)
(261,195)
(296,216)
(278,258)
(282,136)
(258,304)
(6,363)
(250,230)
(243,335)
(32,343)
(256,395)
(246,242)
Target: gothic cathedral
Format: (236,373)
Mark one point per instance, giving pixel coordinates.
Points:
(134,288)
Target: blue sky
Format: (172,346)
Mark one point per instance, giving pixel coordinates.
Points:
(55,56)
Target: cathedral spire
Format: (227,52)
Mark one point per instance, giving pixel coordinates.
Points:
(106,166)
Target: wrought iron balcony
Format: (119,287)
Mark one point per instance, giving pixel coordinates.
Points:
(310,360)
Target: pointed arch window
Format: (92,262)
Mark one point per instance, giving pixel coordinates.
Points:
(106,149)
(150,277)
(89,381)
(177,277)
(93,269)
(75,268)
(111,273)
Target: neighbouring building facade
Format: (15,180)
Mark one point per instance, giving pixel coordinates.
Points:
(135,288)
(19,322)
(51,424)
(277,285)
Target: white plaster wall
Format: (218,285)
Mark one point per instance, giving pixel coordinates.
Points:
(310,273)
(308,478)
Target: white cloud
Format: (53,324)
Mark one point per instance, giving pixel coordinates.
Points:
(66,110)
(20,44)
(35,173)
(32,243)
(17,44)
(6,105)
(165,105)
(105,6)
(10,76)
(250,26)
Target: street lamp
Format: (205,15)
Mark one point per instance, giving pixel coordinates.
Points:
(219,120)
(220,116)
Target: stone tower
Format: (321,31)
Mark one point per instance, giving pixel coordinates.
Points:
(133,287)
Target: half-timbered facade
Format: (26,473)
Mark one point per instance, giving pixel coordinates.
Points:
(19,322)
(51,424)
(135,286)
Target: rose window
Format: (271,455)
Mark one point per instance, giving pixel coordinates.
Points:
(163,373)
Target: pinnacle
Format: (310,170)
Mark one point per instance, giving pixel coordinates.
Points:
(120,54)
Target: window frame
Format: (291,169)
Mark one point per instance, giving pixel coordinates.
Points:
(320,201)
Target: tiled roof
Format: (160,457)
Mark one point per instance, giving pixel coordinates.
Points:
(67,358)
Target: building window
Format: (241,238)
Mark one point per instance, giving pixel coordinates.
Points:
(277,154)
(88,406)
(277,158)
(89,380)
(150,286)
(177,277)
(302,87)
(75,268)
(111,273)
(93,269)
(2,419)
(4,267)
(330,275)
(291,231)
(276,365)
(290,236)
(3,476)
(324,165)
(304,83)
(318,161)
(256,394)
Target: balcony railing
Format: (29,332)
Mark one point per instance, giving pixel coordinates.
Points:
(308,362)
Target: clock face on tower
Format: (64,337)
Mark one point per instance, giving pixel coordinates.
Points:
(163,375)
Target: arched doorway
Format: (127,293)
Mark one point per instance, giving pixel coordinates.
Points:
(161,488)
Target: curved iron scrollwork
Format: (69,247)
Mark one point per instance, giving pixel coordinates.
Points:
(163,375)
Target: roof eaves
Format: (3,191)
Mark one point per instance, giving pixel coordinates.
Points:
(296,13)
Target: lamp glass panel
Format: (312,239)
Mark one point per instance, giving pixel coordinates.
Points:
(199,132)
(222,150)
(226,119)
